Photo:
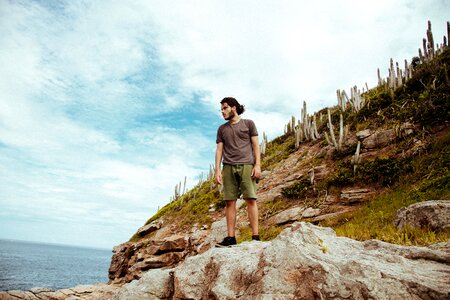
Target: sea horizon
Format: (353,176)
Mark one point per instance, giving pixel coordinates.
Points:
(30,264)
(56,244)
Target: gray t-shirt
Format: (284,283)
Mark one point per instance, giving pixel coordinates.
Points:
(237,144)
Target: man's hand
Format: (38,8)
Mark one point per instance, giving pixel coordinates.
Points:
(256,172)
(218,177)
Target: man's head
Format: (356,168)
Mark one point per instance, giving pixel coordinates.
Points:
(230,108)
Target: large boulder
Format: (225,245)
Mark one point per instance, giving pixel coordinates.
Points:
(310,262)
(155,284)
(379,139)
(431,214)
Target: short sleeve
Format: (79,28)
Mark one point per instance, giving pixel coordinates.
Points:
(219,138)
(252,128)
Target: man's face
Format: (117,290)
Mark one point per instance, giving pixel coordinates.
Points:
(228,112)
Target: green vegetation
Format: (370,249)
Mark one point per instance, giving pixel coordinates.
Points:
(429,179)
(266,233)
(384,171)
(424,99)
(298,189)
(278,150)
(191,207)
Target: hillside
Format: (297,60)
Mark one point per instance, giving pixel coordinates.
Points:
(403,159)
(350,167)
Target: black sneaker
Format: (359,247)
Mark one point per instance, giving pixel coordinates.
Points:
(228,241)
(255,238)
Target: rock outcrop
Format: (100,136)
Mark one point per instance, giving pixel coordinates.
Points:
(431,214)
(130,260)
(88,292)
(304,262)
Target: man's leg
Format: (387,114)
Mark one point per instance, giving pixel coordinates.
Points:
(230,213)
(252,212)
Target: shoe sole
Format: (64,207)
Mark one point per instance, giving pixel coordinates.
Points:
(222,246)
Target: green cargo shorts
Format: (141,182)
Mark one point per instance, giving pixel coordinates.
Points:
(237,181)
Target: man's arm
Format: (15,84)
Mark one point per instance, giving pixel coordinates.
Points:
(219,151)
(256,172)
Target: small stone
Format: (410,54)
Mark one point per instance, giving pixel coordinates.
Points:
(361,135)
(286,216)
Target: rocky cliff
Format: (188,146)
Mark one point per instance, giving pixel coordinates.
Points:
(304,262)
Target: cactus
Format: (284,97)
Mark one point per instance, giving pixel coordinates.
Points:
(431,47)
(399,75)
(406,71)
(337,145)
(356,159)
(263,144)
(425,50)
(316,132)
(356,99)
(421,57)
(392,79)
(380,81)
(330,126)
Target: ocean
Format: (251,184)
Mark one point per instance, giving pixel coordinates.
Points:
(24,265)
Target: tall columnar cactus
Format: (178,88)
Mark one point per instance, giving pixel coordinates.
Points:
(448,34)
(392,78)
(306,128)
(407,72)
(342,99)
(263,144)
(399,75)
(356,159)
(430,40)
(357,101)
(380,81)
(421,57)
(337,145)
(184,186)
(304,116)
(425,50)
(315,131)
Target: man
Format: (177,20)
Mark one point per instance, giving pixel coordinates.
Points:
(238,147)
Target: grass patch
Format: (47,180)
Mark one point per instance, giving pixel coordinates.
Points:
(383,171)
(375,221)
(278,150)
(266,233)
(191,208)
(429,180)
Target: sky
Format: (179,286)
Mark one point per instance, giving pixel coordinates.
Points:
(106,105)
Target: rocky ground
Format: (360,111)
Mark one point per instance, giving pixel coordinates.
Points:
(304,262)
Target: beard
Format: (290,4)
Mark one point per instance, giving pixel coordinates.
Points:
(230,116)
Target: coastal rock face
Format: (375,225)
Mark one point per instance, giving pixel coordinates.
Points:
(88,292)
(130,260)
(432,214)
(304,262)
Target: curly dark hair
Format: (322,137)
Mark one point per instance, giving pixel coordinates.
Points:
(233,102)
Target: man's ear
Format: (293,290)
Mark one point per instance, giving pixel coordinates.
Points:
(234,109)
